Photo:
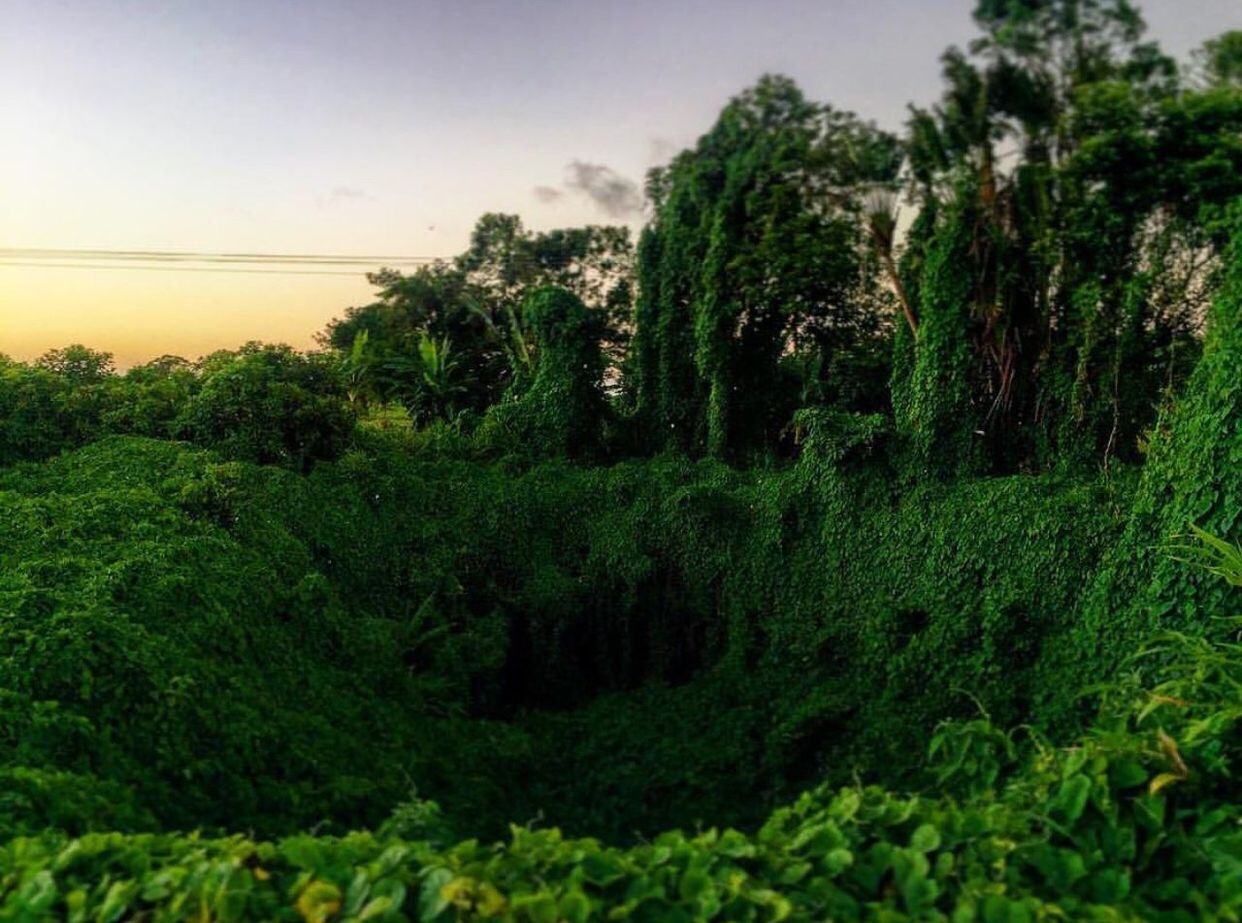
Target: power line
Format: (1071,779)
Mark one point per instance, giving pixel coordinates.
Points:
(185,256)
(138,268)
(305,264)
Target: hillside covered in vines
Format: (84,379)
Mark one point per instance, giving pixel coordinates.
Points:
(860,542)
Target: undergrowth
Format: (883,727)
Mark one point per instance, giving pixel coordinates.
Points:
(1139,819)
(516,643)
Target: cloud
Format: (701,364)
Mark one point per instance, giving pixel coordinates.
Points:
(340,194)
(548,194)
(611,192)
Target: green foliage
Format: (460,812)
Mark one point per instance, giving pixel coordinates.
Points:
(1222,58)
(387,620)
(124,655)
(195,643)
(395,621)
(429,382)
(1069,276)
(1190,481)
(33,800)
(938,418)
(270,405)
(35,416)
(73,395)
(1137,821)
(1091,253)
(561,412)
(149,398)
(379,344)
(505,262)
(1217,555)
(471,308)
(757,244)
(432,626)
(78,364)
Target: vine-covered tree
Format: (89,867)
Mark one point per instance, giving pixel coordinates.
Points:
(1093,180)
(757,247)
(270,405)
(560,412)
(457,328)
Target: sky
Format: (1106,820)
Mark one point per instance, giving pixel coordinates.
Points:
(382,127)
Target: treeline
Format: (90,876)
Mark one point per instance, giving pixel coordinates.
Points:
(261,403)
(1016,283)
(1066,203)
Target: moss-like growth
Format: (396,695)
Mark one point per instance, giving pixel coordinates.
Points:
(561,412)
(381,621)
(1193,476)
(270,405)
(937,420)
(747,256)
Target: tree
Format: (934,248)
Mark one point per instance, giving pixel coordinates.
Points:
(757,247)
(148,399)
(270,405)
(561,412)
(379,343)
(78,364)
(471,306)
(33,419)
(428,383)
(1221,59)
(1097,184)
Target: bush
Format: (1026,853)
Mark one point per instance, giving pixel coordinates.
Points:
(1138,820)
(270,405)
(560,414)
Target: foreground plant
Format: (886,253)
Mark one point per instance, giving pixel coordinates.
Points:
(1139,820)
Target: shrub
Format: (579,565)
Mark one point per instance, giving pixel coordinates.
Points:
(270,405)
(561,412)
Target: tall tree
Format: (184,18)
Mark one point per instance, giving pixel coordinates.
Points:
(757,245)
(1094,176)
(463,319)
(1221,59)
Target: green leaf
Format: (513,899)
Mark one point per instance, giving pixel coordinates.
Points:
(998,909)
(117,901)
(376,907)
(837,861)
(575,906)
(925,839)
(539,908)
(1127,773)
(693,883)
(1071,798)
(38,893)
(431,902)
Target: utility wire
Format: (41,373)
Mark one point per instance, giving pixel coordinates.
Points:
(32,253)
(137,268)
(203,261)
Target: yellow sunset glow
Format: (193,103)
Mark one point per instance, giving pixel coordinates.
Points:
(137,314)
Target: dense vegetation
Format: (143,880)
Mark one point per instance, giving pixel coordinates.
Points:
(891,572)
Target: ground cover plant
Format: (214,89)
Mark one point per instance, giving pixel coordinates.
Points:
(780,567)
